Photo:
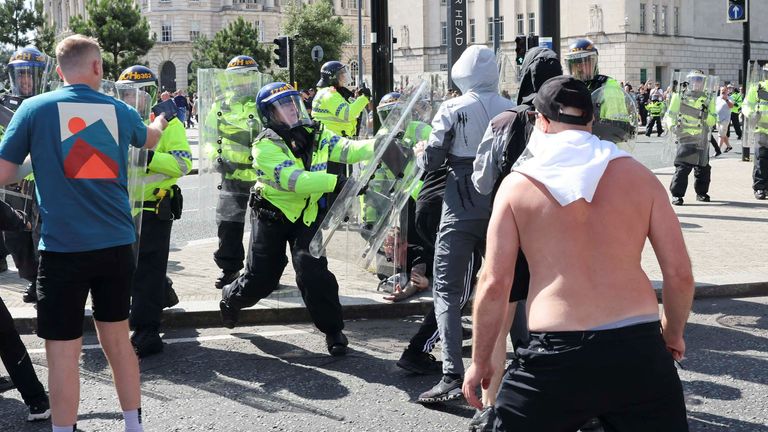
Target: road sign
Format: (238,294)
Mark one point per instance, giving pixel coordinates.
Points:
(545,41)
(317,53)
(738,11)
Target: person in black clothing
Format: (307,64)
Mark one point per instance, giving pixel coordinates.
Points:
(642,100)
(13,353)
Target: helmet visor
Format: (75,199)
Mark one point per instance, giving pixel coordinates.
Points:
(141,98)
(29,78)
(243,82)
(288,112)
(583,67)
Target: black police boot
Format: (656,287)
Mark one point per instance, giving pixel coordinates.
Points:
(147,342)
(760,194)
(678,201)
(229,314)
(337,344)
(171,299)
(226,278)
(30,294)
(702,198)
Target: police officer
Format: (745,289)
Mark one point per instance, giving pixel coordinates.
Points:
(333,105)
(28,73)
(737,98)
(581,61)
(171,159)
(756,111)
(290,157)
(655,109)
(690,118)
(233,117)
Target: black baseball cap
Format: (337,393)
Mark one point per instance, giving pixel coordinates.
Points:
(564,91)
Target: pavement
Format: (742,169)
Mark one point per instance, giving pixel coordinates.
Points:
(725,239)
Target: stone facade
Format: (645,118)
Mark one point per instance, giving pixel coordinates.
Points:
(175,22)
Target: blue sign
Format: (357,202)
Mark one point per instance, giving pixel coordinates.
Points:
(736,12)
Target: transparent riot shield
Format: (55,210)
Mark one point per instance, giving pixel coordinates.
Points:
(229,123)
(749,105)
(615,116)
(755,108)
(509,83)
(366,229)
(690,117)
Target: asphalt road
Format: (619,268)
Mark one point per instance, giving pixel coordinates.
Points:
(279,378)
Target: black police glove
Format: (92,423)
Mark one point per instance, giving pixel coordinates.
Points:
(150,155)
(365,91)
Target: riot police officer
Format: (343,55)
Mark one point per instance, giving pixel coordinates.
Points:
(233,117)
(581,61)
(172,158)
(333,105)
(290,157)
(690,118)
(755,109)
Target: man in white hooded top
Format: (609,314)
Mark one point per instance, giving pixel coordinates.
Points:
(457,131)
(581,210)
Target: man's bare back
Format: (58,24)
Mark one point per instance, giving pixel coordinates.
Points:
(585,257)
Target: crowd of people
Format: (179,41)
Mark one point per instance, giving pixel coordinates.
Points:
(516,186)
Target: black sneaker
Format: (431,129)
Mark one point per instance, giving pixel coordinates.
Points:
(445,390)
(171,299)
(337,344)
(760,194)
(40,410)
(147,342)
(702,198)
(229,315)
(6,384)
(226,278)
(482,421)
(420,363)
(30,294)
(678,201)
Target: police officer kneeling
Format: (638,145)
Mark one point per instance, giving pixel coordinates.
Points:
(290,157)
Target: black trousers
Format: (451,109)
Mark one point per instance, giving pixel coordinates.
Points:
(148,293)
(643,114)
(16,359)
(760,171)
(266,262)
(736,125)
(701,174)
(230,220)
(657,121)
(625,377)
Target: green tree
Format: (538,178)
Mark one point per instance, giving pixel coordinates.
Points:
(122,32)
(16,20)
(315,24)
(5,56)
(238,38)
(45,34)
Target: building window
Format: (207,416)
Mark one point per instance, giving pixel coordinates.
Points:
(260,27)
(365,32)
(642,17)
(354,69)
(472,34)
(194,30)
(643,75)
(443,34)
(654,18)
(166,33)
(490,29)
(677,21)
(520,24)
(443,2)
(663,20)
(531,23)
(501,28)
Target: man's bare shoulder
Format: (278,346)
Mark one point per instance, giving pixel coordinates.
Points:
(513,185)
(630,172)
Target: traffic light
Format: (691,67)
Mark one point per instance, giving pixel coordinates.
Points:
(520,49)
(533,41)
(738,11)
(281,51)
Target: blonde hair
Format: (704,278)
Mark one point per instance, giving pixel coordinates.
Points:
(75,51)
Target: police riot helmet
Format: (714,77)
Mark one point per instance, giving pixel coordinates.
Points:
(386,104)
(28,72)
(581,60)
(137,86)
(242,63)
(695,80)
(331,74)
(281,108)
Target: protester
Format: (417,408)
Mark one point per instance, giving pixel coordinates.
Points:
(595,330)
(87,232)
(723,106)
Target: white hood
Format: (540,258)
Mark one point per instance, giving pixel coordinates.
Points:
(476,70)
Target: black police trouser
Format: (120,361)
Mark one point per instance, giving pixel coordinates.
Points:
(149,290)
(266,262)
(701,174)
(16,359)
(760,172)
(230,220)
(657,121)
(736,125)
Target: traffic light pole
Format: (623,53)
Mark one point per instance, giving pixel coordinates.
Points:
(381,71)
(496,25)
(549,17)
(291,65)
(745,53)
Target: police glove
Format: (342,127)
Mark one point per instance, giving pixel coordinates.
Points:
(365,91)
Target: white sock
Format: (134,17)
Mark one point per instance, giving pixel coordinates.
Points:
(133,421)
(70,428)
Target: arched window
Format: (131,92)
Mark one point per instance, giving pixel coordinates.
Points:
(354,69)
(168,76)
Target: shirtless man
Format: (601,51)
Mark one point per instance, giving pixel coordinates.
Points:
(598,347)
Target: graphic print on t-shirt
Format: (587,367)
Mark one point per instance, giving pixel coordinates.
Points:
(89,140)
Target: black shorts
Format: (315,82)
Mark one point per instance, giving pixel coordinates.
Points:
(63,284)
(625,377)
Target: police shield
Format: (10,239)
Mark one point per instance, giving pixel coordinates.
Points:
(508,79)
(690,117)
(755,109)
(368,229)
(615,116)
(229,123)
